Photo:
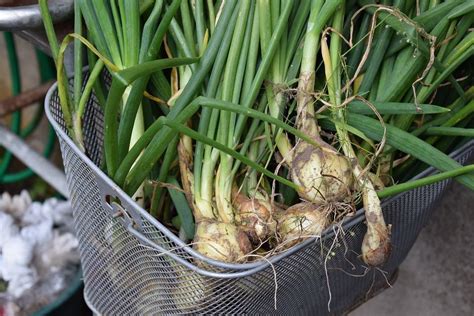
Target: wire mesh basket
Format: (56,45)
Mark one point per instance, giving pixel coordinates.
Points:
(132,264)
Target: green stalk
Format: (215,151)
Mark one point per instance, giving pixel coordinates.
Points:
(63,84)
(77,55)
(376,243)
(407,143)
(169,157)
(308,65)
(86,93)
(410,185)
(377,55)
(251,177)
(459,111)
(467,110)
(242,71)
(450,131)
(134,99)
(188,28)
(120,82)
(275,79)
(150,28)
(212,16)
(264,66)
(223,181)
(193,134)
(162,139)
(294,37)
(356,52)
(118,23)
(454,108)
(257,81)
(186,114)
(200,24)
(99,86)
(461,29)
(49,28)
(250,69)
(208,126)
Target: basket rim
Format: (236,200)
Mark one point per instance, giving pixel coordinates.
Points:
(243,268)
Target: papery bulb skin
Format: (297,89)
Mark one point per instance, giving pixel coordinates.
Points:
(323,174)
(221,241)
(376,245)
(301,221)
(254,217)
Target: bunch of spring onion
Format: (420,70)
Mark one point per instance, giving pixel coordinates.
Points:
(252,125)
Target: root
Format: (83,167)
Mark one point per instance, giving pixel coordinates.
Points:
(326,268)
(274,276)
(305,220)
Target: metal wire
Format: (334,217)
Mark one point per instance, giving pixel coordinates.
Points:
(134,265)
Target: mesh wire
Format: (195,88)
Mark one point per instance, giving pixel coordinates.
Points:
(124,276)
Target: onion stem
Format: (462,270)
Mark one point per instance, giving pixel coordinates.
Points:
(376,244)
(410,185)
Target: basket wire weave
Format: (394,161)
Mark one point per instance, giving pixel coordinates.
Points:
(137,266)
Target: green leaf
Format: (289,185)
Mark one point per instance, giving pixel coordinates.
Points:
(131,33)
(408,144)
(450,131)
(120,80)
(105,25)
(430,18)
(150,53)
(360,107)
(189,111)
(327,122)
(208,141)
(159,143)
(402,187)
(462,9)
(182,207)
(49,28)
(127,76)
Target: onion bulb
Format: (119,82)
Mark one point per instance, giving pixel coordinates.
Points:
(323,174)
(376,246)
(254,217)
(191,290)
(301,221)
(221,241)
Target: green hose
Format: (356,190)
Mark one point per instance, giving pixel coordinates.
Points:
(30,128)
(47,72)
(16,88)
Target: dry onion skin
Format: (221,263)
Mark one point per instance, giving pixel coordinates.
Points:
(221,241)
(254,217)
(301,221)
(323,174)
